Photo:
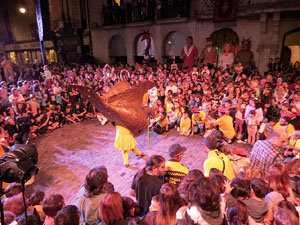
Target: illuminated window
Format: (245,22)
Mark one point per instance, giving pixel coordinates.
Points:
(12,56)
(25,57)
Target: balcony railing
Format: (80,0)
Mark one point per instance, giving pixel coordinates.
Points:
(151,11)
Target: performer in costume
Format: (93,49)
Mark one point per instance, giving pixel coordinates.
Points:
(125,142)
(189,53)
(226,57)
(209,54)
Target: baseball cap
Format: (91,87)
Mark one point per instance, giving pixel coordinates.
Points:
(176,149)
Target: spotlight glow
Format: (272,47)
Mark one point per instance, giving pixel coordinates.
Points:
(22,10)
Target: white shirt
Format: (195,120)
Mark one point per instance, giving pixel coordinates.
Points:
(172,88)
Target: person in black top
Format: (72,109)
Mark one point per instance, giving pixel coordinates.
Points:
(79,111)
(147,183)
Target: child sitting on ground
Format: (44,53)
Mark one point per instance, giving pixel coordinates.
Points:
(185,125)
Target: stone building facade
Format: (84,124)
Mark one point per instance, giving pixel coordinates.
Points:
(265,22)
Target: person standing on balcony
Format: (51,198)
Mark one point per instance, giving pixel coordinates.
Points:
(189,54)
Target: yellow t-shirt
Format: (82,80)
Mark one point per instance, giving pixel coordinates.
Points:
(179,112)
(200,117)
(226,126)
(169,107)
(215,159)
(164,122)
(289,131)
(175,172)
(185,124)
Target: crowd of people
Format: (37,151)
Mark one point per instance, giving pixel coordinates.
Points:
(223,105)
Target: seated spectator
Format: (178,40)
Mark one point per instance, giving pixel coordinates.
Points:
(30,219)
(237,214)
(162,124)
(169,202)
(285,217)
(205,207)
(51,205)
(198,121)
(256,205)
(225,123)
(36,200)
(68,215)
(131,208)
(216,158)
(90,194)
(9,217)
(285,125)
(266,153)
(111,210)
(187,181)
(185,124)
(147,183)
(278,181)
(14,204)
(175,171)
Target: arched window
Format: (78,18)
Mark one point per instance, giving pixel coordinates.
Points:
(117,49)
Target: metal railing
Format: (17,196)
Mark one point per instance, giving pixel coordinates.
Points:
(149,11)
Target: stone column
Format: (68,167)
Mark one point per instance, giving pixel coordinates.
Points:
(261,64)
(275,37)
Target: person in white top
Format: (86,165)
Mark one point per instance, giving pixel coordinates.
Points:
(171,87)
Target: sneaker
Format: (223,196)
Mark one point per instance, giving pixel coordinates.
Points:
(240,142)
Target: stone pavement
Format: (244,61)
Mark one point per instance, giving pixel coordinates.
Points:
(67,154)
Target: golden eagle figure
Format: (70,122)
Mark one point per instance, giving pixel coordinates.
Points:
(123,104)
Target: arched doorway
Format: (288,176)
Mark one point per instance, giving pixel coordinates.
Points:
(145,49)
(117,50)
(225,35)
(173,45)
(290,47)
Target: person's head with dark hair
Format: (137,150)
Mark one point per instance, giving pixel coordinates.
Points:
(68,215)
(293,168)
(155,165)
(31,220)
(111,208)
(218,177)
(169,202)
(278,180)
(284,121)
(130,207)
(14,204)
(206,194)
(137,221)
(187,181)
(13,189)
(241,188)
(9,217)
(260,188)
(52,204)
(238,215)
(284,204)
(36,198)
(189,40)
(96,181)
(285,217)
